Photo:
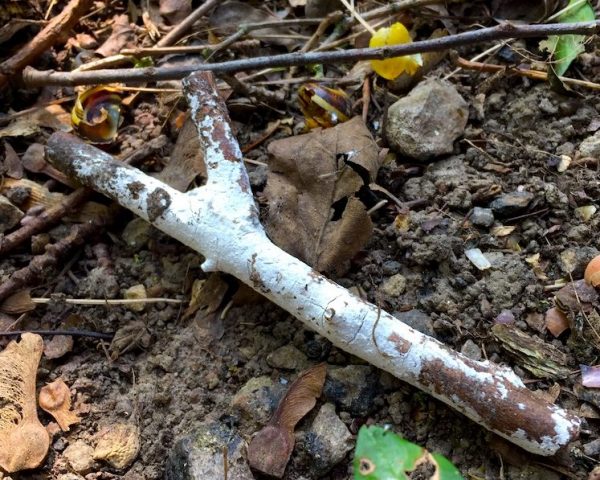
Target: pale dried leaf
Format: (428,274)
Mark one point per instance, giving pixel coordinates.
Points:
(58,346)
(24,441)
(55,398)
(53,116)
(18,303)
(175,10)
(122,36)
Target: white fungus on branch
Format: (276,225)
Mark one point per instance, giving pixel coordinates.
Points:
(220,221)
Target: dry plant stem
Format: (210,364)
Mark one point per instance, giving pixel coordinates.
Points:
(220,220)
(72,333)
(38,267)
(533,74)
(183,27)
(32,77)
(47,37)
(43,221)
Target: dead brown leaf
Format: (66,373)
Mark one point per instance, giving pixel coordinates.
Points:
(55,398)
(270,449)
(24,441)
(175,10)
(11,164)
(313,212)
(227,18)
(122,36)
(186,161)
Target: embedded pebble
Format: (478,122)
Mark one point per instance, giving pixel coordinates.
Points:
(394,286)
(79,455)
(288,357)
(511,203)
(482,217)
(352,388)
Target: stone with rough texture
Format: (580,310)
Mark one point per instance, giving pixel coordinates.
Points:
(425,123)
(288,357)
(327,441)
(511,203)
(590,147)
(80,457)
(352,388)
(394,286)
(482,217)
(200,455)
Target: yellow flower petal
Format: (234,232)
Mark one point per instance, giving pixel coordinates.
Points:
(390,68)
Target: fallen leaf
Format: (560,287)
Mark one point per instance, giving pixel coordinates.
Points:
(227,17)
(58,346)
(17,303)
(175,10)
(122,36)
(55,398)
(313,179)
(11,164)
(187,160)
(53,116)
(24,441)
(556,321)
(270,449)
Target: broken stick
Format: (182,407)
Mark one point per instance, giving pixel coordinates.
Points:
(220,220)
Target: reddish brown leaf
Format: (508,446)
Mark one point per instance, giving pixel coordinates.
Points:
(271,448)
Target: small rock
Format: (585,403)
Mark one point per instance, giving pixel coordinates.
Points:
(258,398)
(574,260)
(590,147)
(425,123)
(136,292)
(471,349)
(118,445)
(10,215)
(418,320)
(287,357)
(137,233)
(394,286)
(482,217)
(69,476)
(352,388)
(591,449)
(327,441)
(200,455)
(390,267)
(212,380)
(511,203)
(258,177)
(79,455)
(100,282)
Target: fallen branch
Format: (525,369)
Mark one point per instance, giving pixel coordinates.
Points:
(220,220)
(46,38)
(32,77)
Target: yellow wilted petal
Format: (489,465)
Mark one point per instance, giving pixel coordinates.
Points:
(390,68)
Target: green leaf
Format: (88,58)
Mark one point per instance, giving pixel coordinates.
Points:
(565,48)
(382,455)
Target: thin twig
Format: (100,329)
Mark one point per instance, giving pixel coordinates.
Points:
(48,36)
(32,77)
(102,301)
(72,333)
(159,51)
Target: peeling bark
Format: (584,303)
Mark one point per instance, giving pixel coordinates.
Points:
(220,220)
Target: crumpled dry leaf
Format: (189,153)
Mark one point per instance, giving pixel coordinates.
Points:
(186,161)
(55,398)
(122,36)
(10,163)
(52,116)
(308,179)
(175,10)
(270,449)
(208,296)
(517,10)
(24,441)
(226,18)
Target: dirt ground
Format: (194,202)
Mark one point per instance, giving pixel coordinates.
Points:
(181,374)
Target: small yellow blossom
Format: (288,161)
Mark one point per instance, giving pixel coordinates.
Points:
(390,68)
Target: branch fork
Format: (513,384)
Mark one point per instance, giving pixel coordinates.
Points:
(220,220)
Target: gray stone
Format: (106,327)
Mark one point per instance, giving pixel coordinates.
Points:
(257,399)
(482,217)
(590,147)
(574,260)
(352,388)
(10,215)
(418,320)
(394,286)
(327,441)
(137,233)
(200,455)
(471,349)
(390,267)
(287,357)
(425,123)
(511,203)
(592,449)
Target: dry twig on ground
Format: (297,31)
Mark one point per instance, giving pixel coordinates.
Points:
(220,220)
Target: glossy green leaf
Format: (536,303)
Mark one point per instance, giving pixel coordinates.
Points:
(565,48)
(382,455)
